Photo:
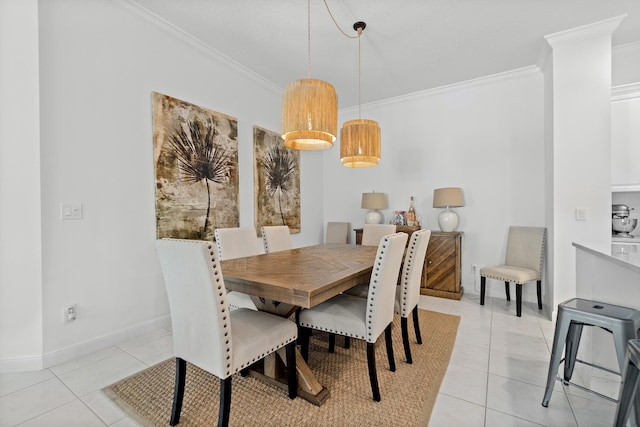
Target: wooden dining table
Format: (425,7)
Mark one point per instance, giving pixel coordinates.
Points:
(282,282)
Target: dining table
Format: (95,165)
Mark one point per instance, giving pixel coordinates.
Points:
(286,281)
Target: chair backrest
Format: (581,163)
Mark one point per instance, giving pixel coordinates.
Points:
(337,232)
(412,271)
(372,233)
(197,299)
(525,247)
(382,287)
(276,238)
(237,242)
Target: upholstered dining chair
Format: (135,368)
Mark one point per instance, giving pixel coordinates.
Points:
(361,318)
(372,233)
(237,242)
(337,232)
(208,335)
(523,263)
(407,291)
(276,238)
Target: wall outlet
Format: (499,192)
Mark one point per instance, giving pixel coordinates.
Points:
(474,268)
(70,313)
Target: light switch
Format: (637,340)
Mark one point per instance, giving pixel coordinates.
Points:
(581,214)
(70,211)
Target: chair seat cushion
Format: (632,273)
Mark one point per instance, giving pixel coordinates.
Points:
(240,300)
(507,273)
(256,333)
(342,314)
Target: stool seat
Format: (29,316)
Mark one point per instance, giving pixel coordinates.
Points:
(573,315)
(628,395)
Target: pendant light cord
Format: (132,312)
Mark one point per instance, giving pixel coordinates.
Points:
(335,22)
(359,76)
(308,39)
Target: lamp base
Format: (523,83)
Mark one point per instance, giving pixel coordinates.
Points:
(373,217)
(448,220)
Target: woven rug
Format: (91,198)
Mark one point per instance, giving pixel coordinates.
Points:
(408,395)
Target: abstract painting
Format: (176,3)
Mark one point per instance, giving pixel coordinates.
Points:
(276,181)
(195,153)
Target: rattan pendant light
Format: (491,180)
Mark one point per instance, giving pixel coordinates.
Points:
(309,109)
(360,138)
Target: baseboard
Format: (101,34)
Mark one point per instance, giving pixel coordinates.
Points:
(56,357)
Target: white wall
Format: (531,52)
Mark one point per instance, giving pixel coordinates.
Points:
(100,60)
(485,136)
(20,244)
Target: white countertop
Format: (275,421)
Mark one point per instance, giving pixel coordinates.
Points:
(624,254)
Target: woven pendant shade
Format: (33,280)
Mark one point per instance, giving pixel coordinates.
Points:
(360,143)
(309,115)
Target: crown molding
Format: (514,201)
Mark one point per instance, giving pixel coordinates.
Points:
(622,92)
(454,87)
(584,32)
(142,12)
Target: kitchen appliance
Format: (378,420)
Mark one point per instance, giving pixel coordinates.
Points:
(621,224)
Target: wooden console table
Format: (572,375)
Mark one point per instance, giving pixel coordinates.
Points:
(441,274)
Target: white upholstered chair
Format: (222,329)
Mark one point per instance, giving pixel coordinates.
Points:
(408,292)
(208,335)
(361,318)
(372,233)
(237,242)
(276,238)
(337,232)
(523,263)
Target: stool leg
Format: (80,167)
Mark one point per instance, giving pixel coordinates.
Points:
(559,337)
(483,283)
(506,291)
(571,349)
(620,340)
(627,395)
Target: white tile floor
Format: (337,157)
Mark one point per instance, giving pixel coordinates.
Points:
(496,377)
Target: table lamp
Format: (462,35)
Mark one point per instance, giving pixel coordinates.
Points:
(448,197)
(373,202)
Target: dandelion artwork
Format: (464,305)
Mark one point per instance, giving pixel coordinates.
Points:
(276,181)
(196,164)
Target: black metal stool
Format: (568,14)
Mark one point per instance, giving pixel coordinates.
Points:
(628,397)
(575,313)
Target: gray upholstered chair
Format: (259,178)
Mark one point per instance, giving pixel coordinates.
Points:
(524,259)
(276,238)
(237,242)
(361,318)
(337,232)
(408,292)
(208,335)
(372,233)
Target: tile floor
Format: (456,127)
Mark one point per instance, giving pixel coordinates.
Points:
(496,377)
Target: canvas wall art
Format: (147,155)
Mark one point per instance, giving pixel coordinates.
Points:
(276,181)
(196,165)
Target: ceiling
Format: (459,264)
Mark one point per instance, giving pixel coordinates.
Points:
(408,45)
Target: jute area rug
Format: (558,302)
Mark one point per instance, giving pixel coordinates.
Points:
(408,395)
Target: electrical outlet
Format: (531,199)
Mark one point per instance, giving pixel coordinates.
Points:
(70,313)
(474,268)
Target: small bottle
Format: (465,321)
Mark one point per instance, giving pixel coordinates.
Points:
(410,216)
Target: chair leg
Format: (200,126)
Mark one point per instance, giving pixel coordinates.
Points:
(373,376)
(244,372)
(483,282)
(332,342)
(178,391)
(304,342)
(416,325)
(519,299)
(225,402)
(347,342)
(571,349)
(506,291)
(292,374)
(405,339)
(389,342)
(539,292)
